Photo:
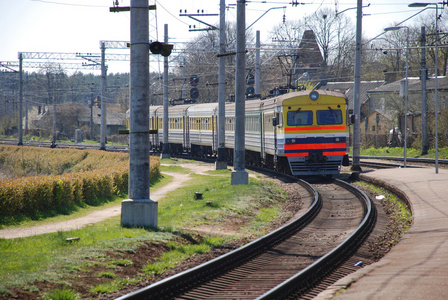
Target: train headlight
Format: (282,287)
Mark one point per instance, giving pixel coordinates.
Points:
(314,95)
(293,141)
(337,140)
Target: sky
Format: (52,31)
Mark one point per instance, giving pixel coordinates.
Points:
(79,25)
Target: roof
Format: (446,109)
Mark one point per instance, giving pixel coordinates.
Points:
(414,85)
(309,51)
(113,118)
(349,87)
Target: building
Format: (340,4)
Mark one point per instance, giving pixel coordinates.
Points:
(385,106)
(72,116)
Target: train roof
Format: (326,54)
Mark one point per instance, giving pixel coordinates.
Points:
(154,108)
(287,96)
(178,109)
(206,109)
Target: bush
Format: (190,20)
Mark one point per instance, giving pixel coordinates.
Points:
(27,195)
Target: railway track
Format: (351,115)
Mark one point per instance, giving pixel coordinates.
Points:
(365,160)
(61,145)
(288,262)
(383,162)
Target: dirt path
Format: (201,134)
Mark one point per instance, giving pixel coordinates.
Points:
(101,215)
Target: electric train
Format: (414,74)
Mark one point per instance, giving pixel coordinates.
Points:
(300,133)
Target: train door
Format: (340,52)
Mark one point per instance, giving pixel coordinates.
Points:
(152,136)
(276,122)
(214,134)
(262,137)
(157,135)
(186,134)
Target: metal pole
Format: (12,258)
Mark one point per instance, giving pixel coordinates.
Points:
(139,210)
(165,148)
(184,78)
(91,112)
(55,136)
(356,101)
(221,162)
(406,100)
(20,124)
(240,175)
(103,97)
(436,145)
(405,90)
(423,74)
(257,63)
(26,105)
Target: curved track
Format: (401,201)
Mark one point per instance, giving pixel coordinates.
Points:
(285,263)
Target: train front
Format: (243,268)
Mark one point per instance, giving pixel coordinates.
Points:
(314,134)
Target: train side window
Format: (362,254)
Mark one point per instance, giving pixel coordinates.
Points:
(299,117)
(329,117)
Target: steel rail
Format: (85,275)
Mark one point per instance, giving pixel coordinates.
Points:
(409,159)
(179,283)
(313,274)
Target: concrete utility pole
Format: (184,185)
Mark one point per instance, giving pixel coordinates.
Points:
(103,98)
(423,75)
(221,162)
(240,175)
(357,99)
(165,149)
(139,210)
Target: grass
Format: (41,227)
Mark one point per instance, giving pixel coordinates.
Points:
(220,201)
(56,257)
(63,294)
(50,258)
(400,218)
(399,152)
(177,254)
(60,215)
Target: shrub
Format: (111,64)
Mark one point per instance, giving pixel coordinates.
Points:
(106,174)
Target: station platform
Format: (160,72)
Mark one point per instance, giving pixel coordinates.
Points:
(417,267)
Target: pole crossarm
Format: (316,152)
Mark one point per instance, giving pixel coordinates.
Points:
(91,57)
(14,65)
(50,55)
(128,8)
(192,16)
(11,66)
(115,44)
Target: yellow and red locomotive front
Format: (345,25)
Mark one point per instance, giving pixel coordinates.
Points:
(313,135)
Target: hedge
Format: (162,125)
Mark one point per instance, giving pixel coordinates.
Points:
(25,195)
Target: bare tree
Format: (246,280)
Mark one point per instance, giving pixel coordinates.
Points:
(428,20)
(201,61)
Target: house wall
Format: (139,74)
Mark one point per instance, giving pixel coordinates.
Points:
(375,130)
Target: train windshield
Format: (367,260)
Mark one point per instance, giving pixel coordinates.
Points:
(298,117)
(329,117)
